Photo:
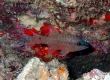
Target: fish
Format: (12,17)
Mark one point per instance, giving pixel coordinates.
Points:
(64,42)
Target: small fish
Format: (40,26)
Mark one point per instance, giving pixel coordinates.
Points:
(64,42)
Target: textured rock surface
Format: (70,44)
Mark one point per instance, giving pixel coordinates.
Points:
(30,22)
(67,2)
(95,74)
(37,70)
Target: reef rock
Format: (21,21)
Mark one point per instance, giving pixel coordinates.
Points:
(95,74)
(39,70)
(30,22)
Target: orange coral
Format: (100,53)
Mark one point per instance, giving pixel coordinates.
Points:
(45,75)
(61,70)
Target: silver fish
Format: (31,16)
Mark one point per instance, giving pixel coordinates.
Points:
(64,42)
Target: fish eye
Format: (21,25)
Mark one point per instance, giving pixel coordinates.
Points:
(79,44)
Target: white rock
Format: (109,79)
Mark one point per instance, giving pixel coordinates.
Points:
(107,77)
(67,2)
(96,74)
(38,70)
(30,22)
(31,64)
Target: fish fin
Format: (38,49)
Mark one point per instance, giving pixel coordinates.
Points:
(52,34)
(62,54)
(53,31)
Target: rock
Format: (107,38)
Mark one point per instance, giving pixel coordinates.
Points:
(95,74)
(38,70)
(44,14)
(30,22)
(67,2)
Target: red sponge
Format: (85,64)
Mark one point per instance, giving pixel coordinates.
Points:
(107,17)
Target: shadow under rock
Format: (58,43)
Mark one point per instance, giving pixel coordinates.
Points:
(74,68)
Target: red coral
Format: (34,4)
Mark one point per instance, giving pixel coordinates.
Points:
(30,32)
(42,52)
(48,29)
(107,17)
(91,21)
(45,29)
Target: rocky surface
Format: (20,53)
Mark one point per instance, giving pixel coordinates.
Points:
(95,74)
(38,70)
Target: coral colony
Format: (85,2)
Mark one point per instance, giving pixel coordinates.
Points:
(51,29)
